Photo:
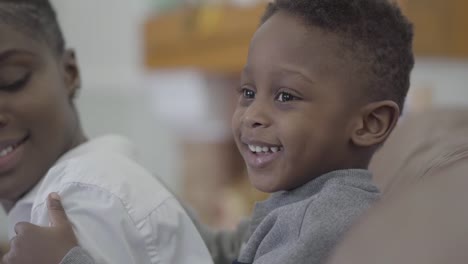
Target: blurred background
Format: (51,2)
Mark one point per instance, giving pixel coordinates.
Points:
(161,72)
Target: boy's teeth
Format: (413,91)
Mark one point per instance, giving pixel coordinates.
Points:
(258,149)
(6,151)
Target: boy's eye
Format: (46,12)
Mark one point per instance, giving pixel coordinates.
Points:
(247,93)
(285,97)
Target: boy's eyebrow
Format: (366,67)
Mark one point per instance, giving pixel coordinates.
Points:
(4,55)
(286,69)
(297,71)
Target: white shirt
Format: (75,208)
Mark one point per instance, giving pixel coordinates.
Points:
(120,213)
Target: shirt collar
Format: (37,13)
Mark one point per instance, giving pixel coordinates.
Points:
(109,143)
(21,211)
(113,143)
(283,198)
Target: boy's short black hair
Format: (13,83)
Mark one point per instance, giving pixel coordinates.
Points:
(373,31)
(36,18)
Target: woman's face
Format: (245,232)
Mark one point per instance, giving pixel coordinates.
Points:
(38,122)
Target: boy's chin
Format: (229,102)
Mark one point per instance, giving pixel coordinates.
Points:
(265,183)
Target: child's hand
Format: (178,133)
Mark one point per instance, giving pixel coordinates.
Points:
(34,244)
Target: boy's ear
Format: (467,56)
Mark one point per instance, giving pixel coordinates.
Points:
(71,73)
(375,123)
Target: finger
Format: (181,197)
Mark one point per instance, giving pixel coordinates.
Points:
(5,259)
(57,214)
(8,258)
(12,241)
(23,227)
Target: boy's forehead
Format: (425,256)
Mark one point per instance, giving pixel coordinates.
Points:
(285,42)
(281,35)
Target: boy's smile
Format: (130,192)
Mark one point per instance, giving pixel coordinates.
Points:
(293,119)
(260,154)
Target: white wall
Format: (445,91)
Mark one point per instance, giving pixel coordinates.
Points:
(107,37)
(448,79)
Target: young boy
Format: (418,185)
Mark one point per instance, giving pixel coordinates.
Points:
(43,149)
(323,87)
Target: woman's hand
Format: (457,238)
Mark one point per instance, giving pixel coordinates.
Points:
(34,244)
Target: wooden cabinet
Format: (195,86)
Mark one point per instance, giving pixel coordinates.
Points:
(441,26)
(216,38)
(212,38)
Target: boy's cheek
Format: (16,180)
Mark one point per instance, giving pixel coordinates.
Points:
(236,122)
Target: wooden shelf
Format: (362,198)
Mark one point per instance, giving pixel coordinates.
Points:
(216,38)
(212,38)
(441,27)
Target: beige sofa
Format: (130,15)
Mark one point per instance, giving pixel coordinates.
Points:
(423,215)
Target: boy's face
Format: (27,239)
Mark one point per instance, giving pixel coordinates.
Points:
(292,122)
(37,120)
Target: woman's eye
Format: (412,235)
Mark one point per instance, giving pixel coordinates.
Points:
(247,93)
(285,97)
(13,84)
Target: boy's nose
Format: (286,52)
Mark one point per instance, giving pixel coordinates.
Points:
(257,116)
